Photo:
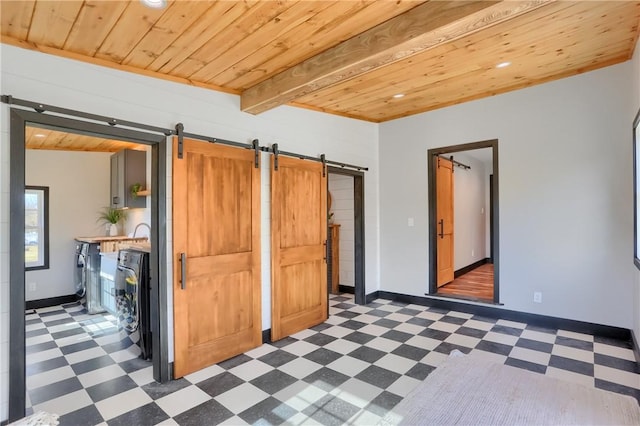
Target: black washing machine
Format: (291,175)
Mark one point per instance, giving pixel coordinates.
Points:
(132,286)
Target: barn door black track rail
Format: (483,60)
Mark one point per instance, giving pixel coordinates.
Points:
(457,163)
(178,131)
(38,107)
(274,149)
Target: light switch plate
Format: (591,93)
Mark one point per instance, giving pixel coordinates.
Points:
(410,221)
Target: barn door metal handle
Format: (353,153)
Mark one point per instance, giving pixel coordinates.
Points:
(441,234)
(326,251)
(183,270)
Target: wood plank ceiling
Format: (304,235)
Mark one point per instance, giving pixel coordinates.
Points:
(343,57)
(41,138)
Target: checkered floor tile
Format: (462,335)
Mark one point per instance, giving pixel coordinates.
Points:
(352,369)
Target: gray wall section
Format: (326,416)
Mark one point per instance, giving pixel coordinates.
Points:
(635,85)
(565,185)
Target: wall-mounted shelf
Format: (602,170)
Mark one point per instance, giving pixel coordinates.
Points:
(144,193)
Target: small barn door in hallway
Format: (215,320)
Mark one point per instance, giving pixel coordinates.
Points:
(298,245)
(444,216)
(216,254)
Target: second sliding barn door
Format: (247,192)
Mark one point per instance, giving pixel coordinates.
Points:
(298,245)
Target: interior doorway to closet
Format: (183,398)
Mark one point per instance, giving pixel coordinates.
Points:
(345,204)
(463,221)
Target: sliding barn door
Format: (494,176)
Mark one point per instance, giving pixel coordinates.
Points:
(216,257)
(444,217)
(298,246)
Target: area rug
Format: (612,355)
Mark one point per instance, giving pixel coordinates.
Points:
(40,418)
(471,390)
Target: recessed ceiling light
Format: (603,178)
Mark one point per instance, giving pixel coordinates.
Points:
(398,95)
(154,4)
(503,64)
(39,135)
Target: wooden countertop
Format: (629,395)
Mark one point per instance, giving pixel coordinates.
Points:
(106,238)
(145,247)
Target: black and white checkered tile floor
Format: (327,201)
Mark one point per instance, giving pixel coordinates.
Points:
(350,370)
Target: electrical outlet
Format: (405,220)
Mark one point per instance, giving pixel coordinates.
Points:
(410,221)
(473,252)
(537,296)
(32,286)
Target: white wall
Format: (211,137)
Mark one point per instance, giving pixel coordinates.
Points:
(635,106)
(137,216)
(564,193)
(341,189)
(469,233)
(85,87)
(78,189)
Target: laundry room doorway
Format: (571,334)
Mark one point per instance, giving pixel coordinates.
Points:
(73,327)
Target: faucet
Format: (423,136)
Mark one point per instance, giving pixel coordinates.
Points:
(138,226)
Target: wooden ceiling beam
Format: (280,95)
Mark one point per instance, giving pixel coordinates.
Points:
(426,26)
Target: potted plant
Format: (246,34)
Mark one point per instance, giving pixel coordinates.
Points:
(135,188)
(111,217)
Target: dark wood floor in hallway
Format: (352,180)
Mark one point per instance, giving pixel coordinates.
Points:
(474,285)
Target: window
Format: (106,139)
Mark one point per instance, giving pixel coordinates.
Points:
(36,227)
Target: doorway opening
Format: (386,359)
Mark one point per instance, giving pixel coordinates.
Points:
(463,222)
(68,332)
(346,232)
